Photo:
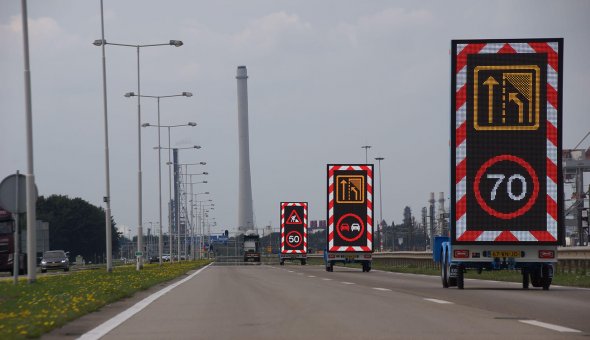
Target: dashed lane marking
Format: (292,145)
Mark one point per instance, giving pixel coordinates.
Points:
(556,328)
(439,301)
(347,283)
(382,289)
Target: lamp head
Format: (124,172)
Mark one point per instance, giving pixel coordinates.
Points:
(176,43)
(203,163)
(192,124)
(205,173)
(187,94)
(129,94)
(99,42)
(197,146)
(145,124)
(204,182)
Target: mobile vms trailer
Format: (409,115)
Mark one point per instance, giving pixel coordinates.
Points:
(251,246)
(507,189)
(7,245)
(350,215)
(293,232)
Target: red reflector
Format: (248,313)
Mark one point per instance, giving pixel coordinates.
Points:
(546,254)
(461,254)
(331,256)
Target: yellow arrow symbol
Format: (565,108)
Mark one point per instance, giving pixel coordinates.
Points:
(490,83)
(343,189)
(512,97)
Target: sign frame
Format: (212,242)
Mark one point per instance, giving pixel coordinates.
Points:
(344,203)
(463,230)
(287,209)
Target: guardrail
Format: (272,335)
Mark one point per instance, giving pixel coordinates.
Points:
(570,259)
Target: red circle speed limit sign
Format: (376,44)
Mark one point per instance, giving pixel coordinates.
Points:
(516,186)
(294,239)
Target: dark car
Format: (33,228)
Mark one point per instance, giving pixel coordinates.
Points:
(55,259)
(154,259)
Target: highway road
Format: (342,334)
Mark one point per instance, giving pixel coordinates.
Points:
(306,302)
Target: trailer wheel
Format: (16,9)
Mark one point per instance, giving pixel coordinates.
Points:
(443,270)
(460,277)
(303,262)
(282,263)
(330,267)
(525,278)
(546,277)
(535,274)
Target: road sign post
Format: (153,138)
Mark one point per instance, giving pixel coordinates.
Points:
(293,232)
(506,135)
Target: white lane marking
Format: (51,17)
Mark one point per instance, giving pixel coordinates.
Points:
(438,301)
(290,271)
(326,279)
(550,326)
(382,289)
(347,283)
(102,329)
(310,276)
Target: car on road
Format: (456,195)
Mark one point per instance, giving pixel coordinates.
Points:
(166,257)
(55,259)
(155,258)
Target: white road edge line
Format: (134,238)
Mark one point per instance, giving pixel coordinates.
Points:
(326,279)
(310,276)
(347,283)
(550,326)
(439,301)
(382,289)
(107,326)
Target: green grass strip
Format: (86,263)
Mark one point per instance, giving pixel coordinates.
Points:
(30,310)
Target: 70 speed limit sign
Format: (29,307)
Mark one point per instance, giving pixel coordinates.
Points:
(506,119)
(293,227)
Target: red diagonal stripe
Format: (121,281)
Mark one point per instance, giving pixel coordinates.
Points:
(552,96)
(551,207)
(543,235)
(551,170)
(552,133)
(331,188)
(460,207)
(552,56)
(507,49)
(460,134)
(462,56)
(350,248)
(330,236)
(470,235)
(506,236)
(460,97)
(460,171)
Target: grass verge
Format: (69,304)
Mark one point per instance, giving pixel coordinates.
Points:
(29,310)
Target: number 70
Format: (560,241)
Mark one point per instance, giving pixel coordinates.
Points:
(500,178)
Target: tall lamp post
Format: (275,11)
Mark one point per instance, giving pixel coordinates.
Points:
(169,163)
(176,43)
(183,94)
(379,159)
(366,147)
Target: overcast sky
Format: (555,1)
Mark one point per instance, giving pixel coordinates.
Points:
(325,78)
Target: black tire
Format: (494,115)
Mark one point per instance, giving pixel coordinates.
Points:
(535,274)
(460,277)
(282,263)
(67,269)
(525,278)
(43,270)
(546,276)
(443,271)
(303,262)
(330,267)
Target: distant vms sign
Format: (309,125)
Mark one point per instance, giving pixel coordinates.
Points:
(506,133)
(350,208)
(294,227)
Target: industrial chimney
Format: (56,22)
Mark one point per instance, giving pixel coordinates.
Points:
(245,211)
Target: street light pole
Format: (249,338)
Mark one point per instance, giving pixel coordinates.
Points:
(379,159)
(107,198)
(366,147)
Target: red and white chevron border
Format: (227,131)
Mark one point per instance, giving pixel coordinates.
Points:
(296,204)
(463,50)
(369,245)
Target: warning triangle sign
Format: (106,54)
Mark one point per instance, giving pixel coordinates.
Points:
(294,218)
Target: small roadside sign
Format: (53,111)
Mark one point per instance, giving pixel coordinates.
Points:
(138,253)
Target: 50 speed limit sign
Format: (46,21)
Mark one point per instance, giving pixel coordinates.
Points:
(506,133)
(293,227)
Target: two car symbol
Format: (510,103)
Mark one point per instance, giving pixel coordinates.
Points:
(354,227)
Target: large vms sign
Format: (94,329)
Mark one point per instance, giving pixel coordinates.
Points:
(293,227)
(350,208)
(506,133)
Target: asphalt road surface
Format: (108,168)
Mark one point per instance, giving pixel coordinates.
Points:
(306,302)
